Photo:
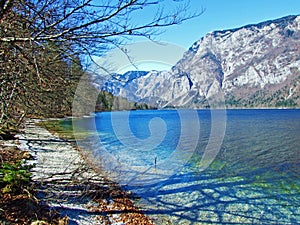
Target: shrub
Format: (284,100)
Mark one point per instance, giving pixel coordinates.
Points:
(14,176)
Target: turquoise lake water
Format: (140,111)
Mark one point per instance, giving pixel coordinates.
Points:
(254,178)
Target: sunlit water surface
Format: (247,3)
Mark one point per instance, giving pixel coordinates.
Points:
(254,179)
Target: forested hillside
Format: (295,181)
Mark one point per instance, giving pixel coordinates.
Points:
(107,102)
(46,47)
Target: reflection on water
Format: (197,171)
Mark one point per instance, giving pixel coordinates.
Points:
(254,179)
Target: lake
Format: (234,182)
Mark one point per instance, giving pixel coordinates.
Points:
(250,173)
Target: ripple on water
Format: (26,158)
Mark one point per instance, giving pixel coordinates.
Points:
(254,179)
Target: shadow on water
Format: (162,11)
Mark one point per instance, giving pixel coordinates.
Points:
(261,196)
(254,180)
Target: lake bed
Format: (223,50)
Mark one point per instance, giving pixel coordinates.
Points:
(255,177)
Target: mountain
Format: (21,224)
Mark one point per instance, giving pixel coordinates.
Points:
(252,66)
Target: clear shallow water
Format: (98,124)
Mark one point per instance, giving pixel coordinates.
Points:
(254,179)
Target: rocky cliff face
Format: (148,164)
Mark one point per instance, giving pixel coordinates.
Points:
(252,66)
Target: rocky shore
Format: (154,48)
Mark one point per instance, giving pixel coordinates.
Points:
(65,182)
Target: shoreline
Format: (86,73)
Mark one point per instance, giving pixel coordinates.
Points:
(66,182)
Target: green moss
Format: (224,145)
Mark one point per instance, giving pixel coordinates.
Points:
(217,165)
(277,185)
(63,128)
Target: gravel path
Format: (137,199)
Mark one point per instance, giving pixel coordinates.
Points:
(65,181)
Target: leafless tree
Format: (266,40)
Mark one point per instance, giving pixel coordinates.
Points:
(42,41)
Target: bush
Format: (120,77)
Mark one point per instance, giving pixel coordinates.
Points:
(14,176)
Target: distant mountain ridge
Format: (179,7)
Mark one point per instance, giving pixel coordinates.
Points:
(252,66)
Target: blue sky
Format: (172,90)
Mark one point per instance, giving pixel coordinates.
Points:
(218,15)
(226,14)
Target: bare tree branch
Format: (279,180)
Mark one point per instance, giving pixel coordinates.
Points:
(42,44)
